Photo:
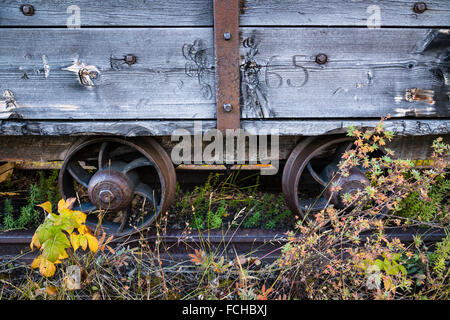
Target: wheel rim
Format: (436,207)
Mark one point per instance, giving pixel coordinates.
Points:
(300,162)
(125,183)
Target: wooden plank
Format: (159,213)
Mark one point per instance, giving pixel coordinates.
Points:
(366,75)
(109,13)
(344,13)
(46,151)
(34,148)
(253,13)
(6,170)
(172,78)
(369,73)
(166,128)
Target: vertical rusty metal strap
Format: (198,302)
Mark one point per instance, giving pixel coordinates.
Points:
(226,48)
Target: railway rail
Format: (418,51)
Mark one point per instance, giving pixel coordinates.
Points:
(176,245)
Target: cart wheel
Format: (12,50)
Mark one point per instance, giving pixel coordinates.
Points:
(318,158)
(124,183)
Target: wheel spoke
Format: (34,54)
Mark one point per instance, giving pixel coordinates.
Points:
(139,162)
(103,155)
(78,173)
(315,175)
(85,207)
(313,205)
(125,219)
(146,191)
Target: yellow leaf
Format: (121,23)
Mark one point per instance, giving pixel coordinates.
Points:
(83,229)
(79,217)
(83,242)
(47,206)
(75,241)
(93,242)
(47,268)
(388,285)
(63,256)
(66,204)
(36,262)
(35,242)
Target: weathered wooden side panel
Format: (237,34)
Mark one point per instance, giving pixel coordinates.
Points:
(40,75)
(368,73)
(82,74)
(199,13)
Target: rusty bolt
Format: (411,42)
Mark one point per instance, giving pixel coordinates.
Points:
(227,36)
(321,58)
(93,75)
(27,9)
(130,59)
(106,196)
(420,7)
(227,107)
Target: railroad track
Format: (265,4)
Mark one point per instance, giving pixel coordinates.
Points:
(176,245)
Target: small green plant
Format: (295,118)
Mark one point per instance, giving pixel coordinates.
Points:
(268,212)
(329,260)
(52,236)
(414,206)
(45,190)
(48,187)
(8,219)
(440,258)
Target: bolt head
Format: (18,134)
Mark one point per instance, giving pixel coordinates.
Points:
(227,107)
(106,196)
(27,9)
(420,7)
(130,59)
(93,75)
(227,36)
(321,58)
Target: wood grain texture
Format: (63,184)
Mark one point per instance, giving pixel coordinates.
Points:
(253,13)
(369,73)
(42,73)
(167,128)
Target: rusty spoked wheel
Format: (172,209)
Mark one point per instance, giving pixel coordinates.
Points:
(124,183)
(316,160)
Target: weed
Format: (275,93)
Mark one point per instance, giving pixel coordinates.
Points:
(45,190)
(8,219)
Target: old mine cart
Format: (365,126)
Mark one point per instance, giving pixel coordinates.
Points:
(110,87)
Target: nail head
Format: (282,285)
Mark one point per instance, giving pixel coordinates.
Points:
(227,107)
(27,9)
(130,59)
(420,7)
(321,58)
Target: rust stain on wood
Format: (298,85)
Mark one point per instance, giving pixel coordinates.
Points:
(417,94)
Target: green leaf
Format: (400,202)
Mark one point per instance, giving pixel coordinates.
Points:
(55,247)
(402,269)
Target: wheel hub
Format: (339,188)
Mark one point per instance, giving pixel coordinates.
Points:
(351,184)
(110,190)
